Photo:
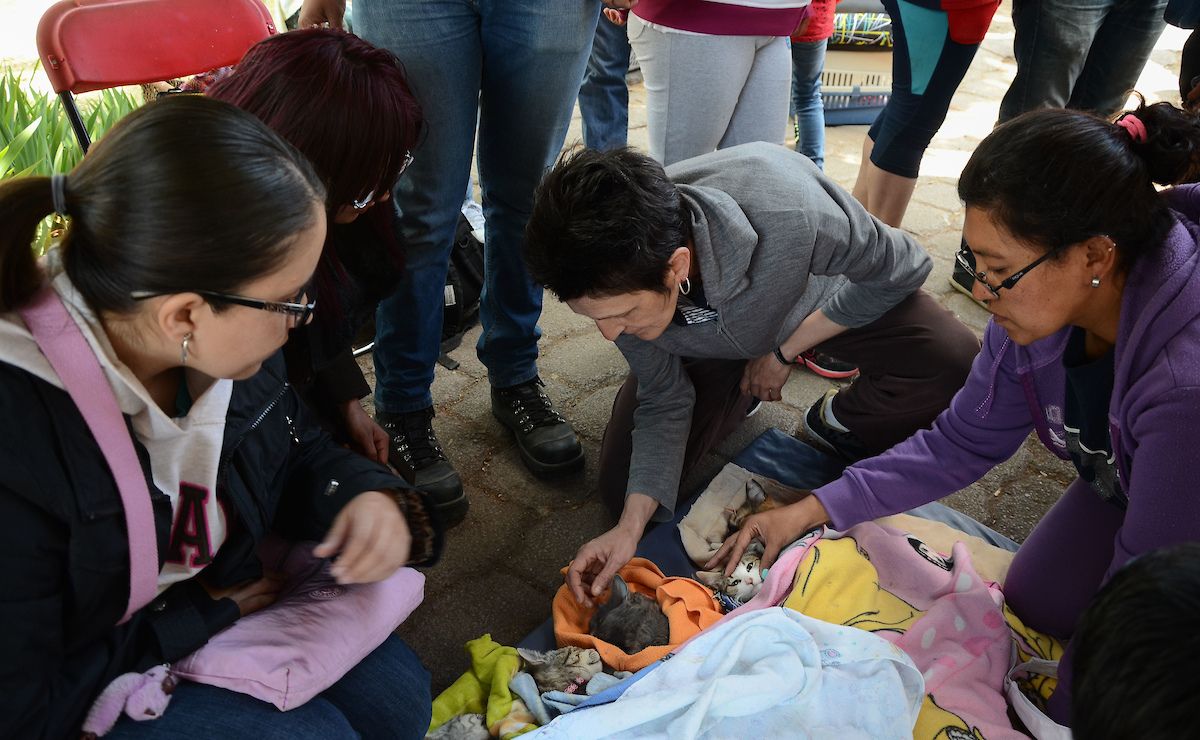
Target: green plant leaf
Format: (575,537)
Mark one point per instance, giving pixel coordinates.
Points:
(9,154)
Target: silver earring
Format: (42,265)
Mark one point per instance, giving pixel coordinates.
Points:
(183,347)
(1096,281)
(685,286)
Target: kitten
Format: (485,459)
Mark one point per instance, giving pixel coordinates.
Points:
(747,578)
(757,501)
(629,620)
(559,670)
(462,727)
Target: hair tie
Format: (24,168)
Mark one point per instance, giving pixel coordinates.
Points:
(1134,127)
(58,193)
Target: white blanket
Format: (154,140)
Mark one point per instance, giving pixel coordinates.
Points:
(766,674)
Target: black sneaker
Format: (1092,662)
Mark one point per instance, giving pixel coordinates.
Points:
(547,442)
(964,282)
(827,366)
(416,454)
(842,444)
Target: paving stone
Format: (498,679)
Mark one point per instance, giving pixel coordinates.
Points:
(491,602)
(559,321)
(580,360)
(548,545)
(592,411)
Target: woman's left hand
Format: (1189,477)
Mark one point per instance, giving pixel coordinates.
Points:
(370,537)
(366,437)
(764,378)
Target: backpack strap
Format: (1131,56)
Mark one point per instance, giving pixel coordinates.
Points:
(64,345)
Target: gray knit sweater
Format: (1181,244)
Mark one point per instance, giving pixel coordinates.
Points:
(775,240)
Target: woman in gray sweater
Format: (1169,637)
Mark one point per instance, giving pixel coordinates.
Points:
(712,277)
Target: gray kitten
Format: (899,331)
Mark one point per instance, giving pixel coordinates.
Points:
(629,620)
(556,670)
(462,727)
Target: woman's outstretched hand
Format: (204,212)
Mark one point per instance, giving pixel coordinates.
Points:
(776,529)
(370,538)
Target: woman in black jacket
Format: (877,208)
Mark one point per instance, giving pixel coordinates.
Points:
(347,106)
(194,233)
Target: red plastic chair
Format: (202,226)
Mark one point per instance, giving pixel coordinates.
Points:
(90,45)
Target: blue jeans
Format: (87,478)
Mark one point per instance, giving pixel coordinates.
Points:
(514,66)
(604,96)
(808,61)
(385,696)
(1081,54)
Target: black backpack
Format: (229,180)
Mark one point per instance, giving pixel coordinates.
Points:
(464,286)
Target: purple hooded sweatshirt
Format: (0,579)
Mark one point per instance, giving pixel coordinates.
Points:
(1154,425)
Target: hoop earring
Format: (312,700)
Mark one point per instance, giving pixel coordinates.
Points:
(183,347)
(685,286)
(1096,281)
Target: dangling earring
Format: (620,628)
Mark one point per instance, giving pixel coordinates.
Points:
(685,286)
(1095,281)
(183,347)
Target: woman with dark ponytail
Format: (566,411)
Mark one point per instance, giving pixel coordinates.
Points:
(193,235)
(1092,276)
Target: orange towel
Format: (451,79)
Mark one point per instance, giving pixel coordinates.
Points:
(690,607)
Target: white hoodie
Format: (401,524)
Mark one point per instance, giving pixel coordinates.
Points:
(184,452)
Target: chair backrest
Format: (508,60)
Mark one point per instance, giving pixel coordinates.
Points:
(89,45)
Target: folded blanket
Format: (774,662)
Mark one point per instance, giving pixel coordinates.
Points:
(704,528)
(936,607)
(689,606)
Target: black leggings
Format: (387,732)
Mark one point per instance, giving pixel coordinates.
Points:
(923,84)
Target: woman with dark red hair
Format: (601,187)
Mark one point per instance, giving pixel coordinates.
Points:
(347,106)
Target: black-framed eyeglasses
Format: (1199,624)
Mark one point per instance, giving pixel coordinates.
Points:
(362,203)
(295,309)
(966,258)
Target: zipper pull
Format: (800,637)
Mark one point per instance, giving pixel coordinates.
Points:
(291,424)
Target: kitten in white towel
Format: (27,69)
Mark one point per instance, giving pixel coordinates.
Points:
(556,670)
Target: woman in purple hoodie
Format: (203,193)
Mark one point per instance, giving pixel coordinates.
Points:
(1092,277)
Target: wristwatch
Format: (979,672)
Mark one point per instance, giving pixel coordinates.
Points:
(779,356)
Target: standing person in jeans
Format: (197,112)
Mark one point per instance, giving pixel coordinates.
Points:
(808,62)
(514,68)
(604,95)
(1080,55)
(719,273)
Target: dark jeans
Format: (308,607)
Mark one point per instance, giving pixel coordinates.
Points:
(511,70)
(387,695)
(604,95)
(1081,54)
(808,61)
(912,360)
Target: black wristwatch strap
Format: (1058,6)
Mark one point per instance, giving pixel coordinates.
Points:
(779,356)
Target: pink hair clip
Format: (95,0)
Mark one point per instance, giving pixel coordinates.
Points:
(1134,127)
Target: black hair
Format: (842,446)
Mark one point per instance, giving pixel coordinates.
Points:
(185,193)
(1053,178)
(604,223)
(1137,650)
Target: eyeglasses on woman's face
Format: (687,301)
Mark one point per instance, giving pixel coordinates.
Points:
(966,259)
(299,309)
(369,198)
